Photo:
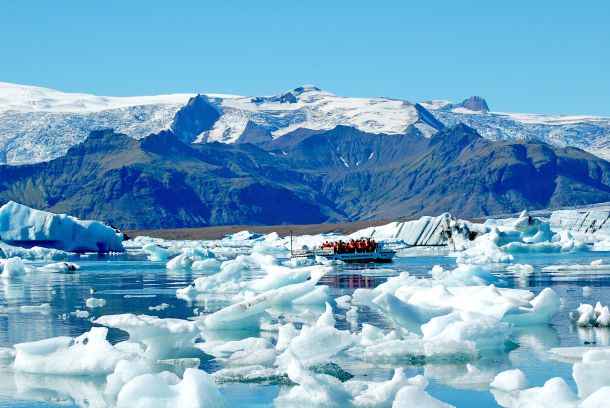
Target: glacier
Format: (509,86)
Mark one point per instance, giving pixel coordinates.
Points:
(39,124)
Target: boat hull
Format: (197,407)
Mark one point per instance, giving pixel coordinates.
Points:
(358,257)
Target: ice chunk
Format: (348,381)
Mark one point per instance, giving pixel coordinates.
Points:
(573,353)
(163,338)
(588,316)
(543,308)
(12,267)
(486,333)
(21,224)
(317,344)
(33,253)
(411,396)
(7,353)
(279,276)
(83,314)
(196,389)
(312,390)
(58,267)
(510,380)
(380,394)
(286,333)
(89,354)
(407,315)
(554,393)
(225,349)
(92,303)
(483,252)
(160,307)
(343,302)
(249,374)
(599,398)
(124,371)
(593,372)
(193,258)
(156,253)
(243,315)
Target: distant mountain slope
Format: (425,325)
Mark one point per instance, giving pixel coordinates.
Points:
(341,174)
(38,124)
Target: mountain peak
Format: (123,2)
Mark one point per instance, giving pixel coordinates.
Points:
(475,103)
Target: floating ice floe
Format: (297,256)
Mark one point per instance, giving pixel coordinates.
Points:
(316,344)
(58,267)
(156,253)
(193,258)
(509,381)
(83,314)
(196,389)
(415,300)
(161,338)
(524,235)
(12,268)
(511,389)
(23,225)
(594,265)
(588,316)
(158,308)
(7,353)
(33,253)
(314,390)
(92,303)
(88,354)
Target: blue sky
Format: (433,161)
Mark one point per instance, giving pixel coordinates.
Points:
(524,56)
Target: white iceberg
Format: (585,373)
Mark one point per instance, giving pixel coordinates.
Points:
(161,338)
(21,225)
(88,354)
(196,389)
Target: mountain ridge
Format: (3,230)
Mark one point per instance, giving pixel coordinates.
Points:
(39,124)
(336,175)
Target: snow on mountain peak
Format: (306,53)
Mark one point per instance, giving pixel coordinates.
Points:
(38,124)
(26,98)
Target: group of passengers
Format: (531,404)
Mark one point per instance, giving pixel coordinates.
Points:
(359,245)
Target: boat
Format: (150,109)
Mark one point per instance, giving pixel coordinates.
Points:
(377,253)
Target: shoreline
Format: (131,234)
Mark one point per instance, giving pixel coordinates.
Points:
(217,232)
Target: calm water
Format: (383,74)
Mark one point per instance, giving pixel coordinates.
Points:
(130,284)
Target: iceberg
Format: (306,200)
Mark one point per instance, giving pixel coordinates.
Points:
(156,253)
(88,354)
(511,380)
(24,226)
(427,231)
(11,268)
(316,344)
(161,338)
(196,389)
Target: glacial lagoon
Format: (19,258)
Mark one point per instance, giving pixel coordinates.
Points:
(130,283)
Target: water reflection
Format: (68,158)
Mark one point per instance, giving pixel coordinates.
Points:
(352,281)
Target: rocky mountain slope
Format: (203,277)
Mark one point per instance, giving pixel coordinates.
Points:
(342,174)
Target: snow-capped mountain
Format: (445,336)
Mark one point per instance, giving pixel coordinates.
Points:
(39,124)
(311,108)
(589,133)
